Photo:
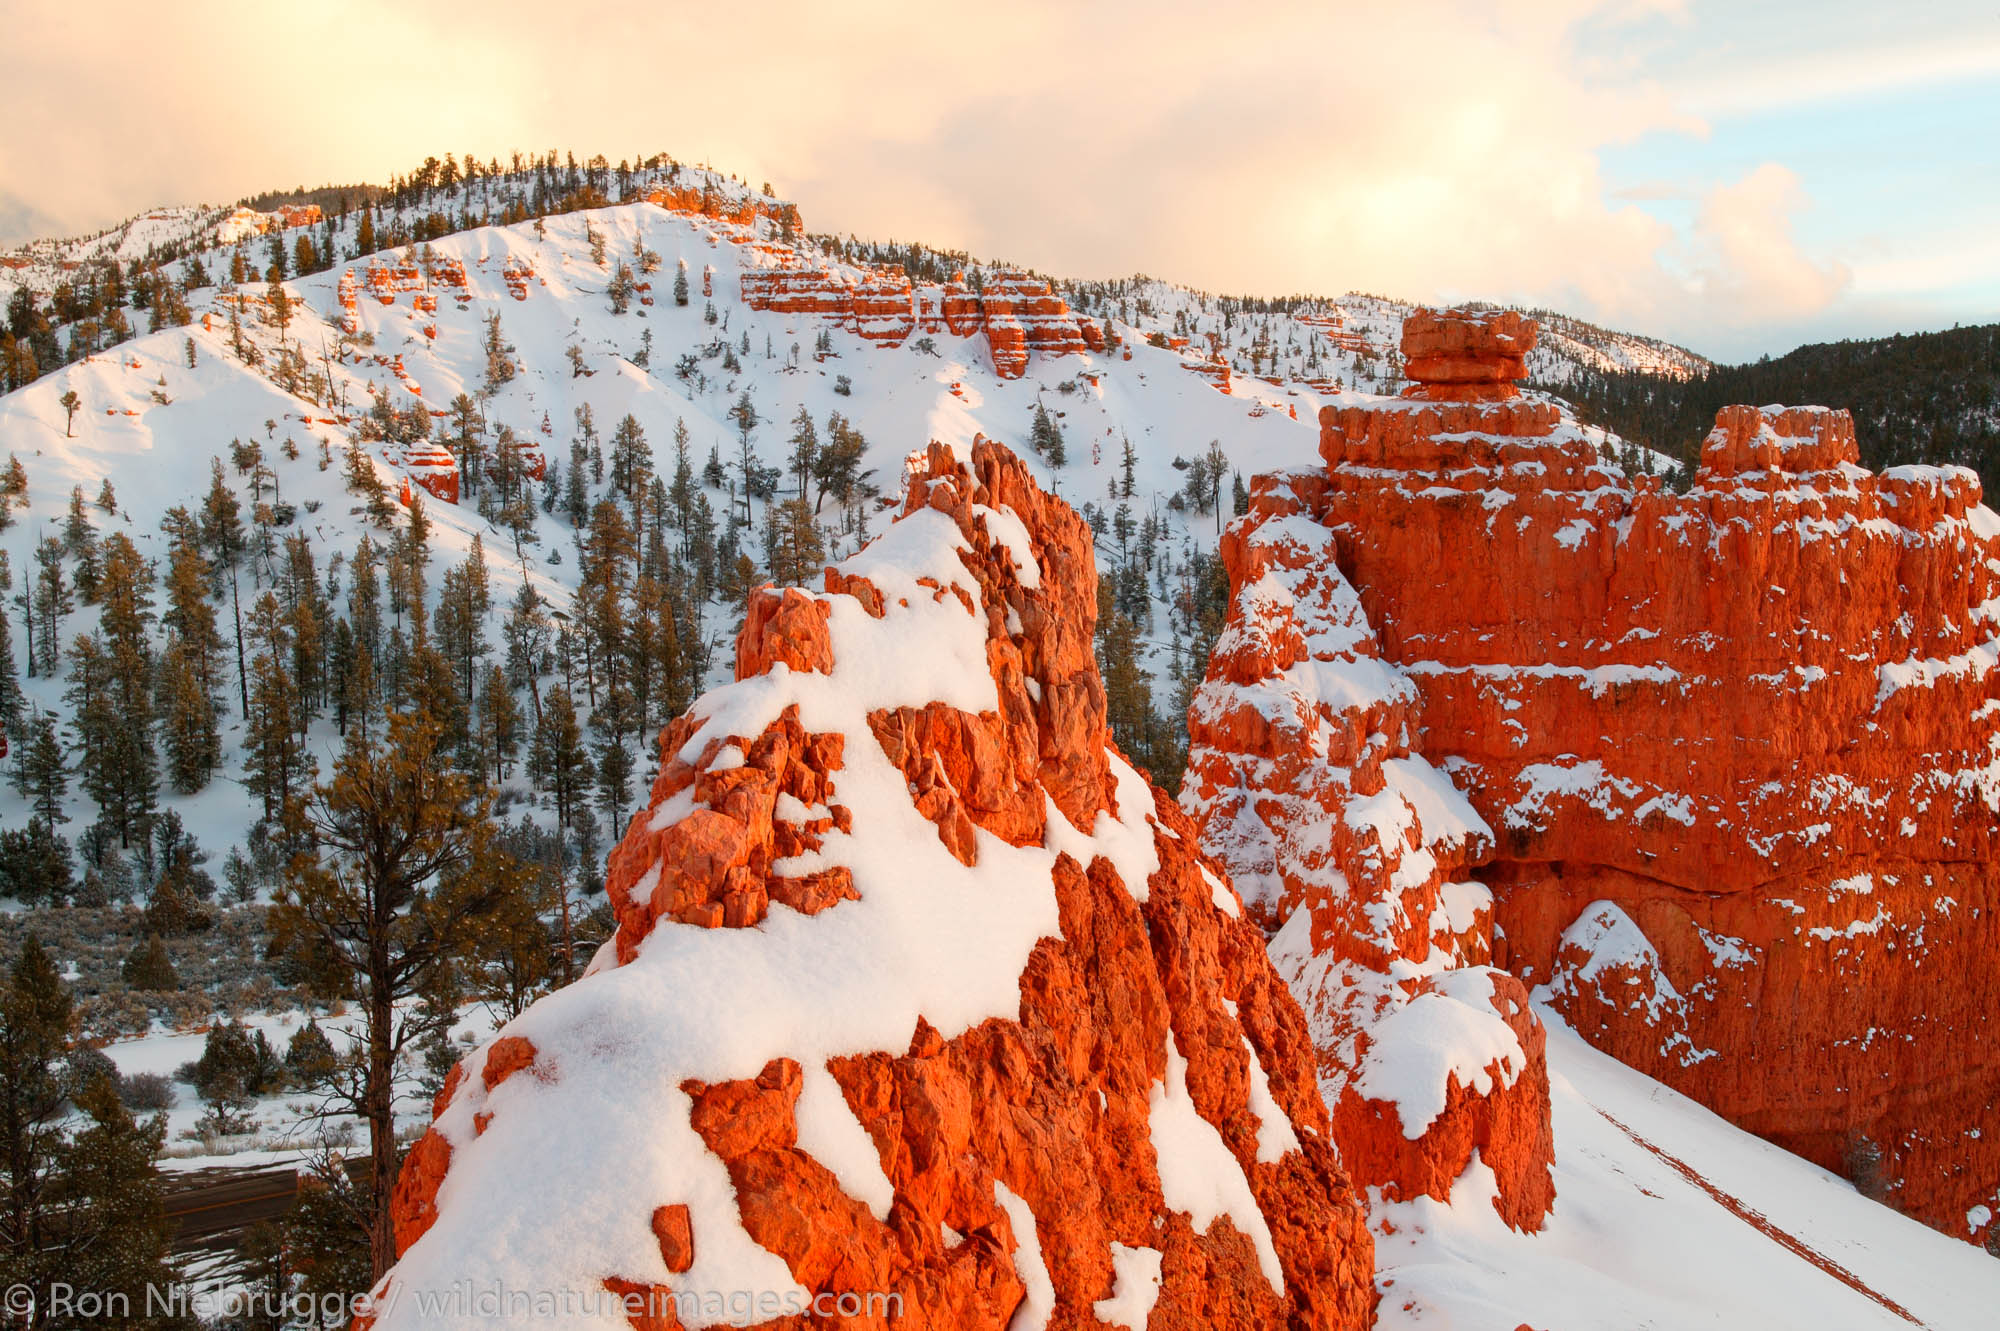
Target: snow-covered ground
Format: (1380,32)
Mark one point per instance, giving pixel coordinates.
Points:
(283,1128)
(1668,1217)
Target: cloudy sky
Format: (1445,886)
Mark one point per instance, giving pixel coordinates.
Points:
(1738,177)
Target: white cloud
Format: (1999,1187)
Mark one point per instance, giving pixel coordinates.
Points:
(1776,81)
(1754,262)
(1433,149)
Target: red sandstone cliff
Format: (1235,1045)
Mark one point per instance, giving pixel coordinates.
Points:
(1354,853)
(918,987)
(1739,748)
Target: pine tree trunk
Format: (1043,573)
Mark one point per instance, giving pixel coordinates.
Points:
(380,1111)
(28,623)
(242,672)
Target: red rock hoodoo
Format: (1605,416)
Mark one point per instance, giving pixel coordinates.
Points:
(1739,748)
(1354,852)
(918,988)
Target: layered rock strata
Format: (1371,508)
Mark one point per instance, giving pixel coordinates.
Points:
(1738,748)
(1354,854)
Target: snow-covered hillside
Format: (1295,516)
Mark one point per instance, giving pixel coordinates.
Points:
(151,421)
(153,412)
(41,265)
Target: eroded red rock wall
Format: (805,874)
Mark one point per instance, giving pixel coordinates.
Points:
(1354,853)
(1761,720)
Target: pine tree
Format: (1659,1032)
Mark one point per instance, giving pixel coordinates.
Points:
(464,598)
(837,469)
(614,776)
(34,1034)
(189,677)
(94,718)
(1041,432)
(364,597)
(13,702)
(114,1234)
(189,729)
(40,773)
(631,460)
(276,765)
(1207,474)
(148,967)
(681,284)
(174,902)
(805,448)
(34,864)
(1128,696)
(797,551)
(82,1208)
(189,618)
(306,617)
(120,769)
(432,693)
(702,550)
(562,766)
(310,1060)
(79,540)
(527,636)
(743,414)
(397,894)
(499,363)
(681,494)
(278,301)
(222,538)
(499,722)
(326,1233)
(235,1067)
(54,598)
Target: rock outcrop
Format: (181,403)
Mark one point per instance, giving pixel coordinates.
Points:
(431,465)
(1017,313)
(242,223)
(918,989)
(1739,748)
(1354,853)
(712,198)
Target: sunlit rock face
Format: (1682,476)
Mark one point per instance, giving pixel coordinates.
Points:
(918,988)
(1355,854)
(1738,749)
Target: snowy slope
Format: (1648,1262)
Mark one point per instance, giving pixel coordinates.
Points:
(1668,1217)
(40,264)
(157,453)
